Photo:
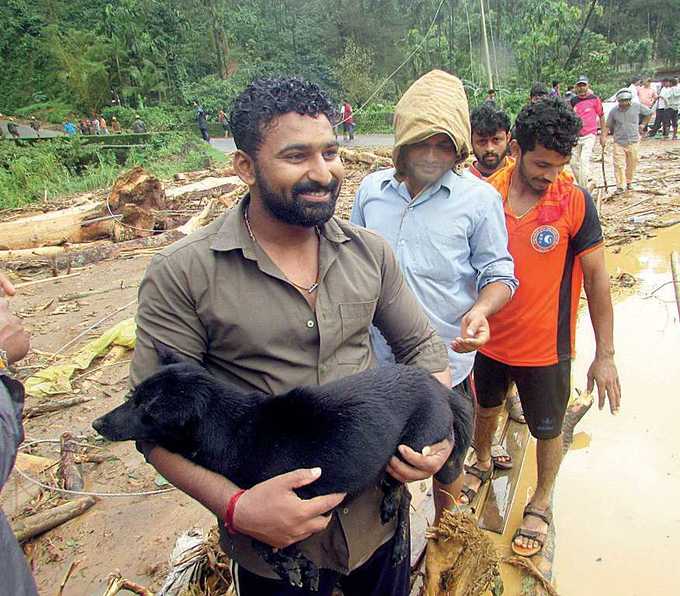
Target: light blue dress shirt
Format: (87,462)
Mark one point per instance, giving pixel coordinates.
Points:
(450,242)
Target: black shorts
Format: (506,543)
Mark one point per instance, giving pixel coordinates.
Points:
(543,391)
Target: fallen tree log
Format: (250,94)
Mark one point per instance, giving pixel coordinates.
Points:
(32,526)
(129,212)
(55,227)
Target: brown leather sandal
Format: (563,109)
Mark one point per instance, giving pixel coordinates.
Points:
(537,536)
(483,475)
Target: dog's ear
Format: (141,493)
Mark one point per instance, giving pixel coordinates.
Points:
(166,355)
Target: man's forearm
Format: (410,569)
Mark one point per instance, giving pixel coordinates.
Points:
(209,489)
(492,298)
(601,313)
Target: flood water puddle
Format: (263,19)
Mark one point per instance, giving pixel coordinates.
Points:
(617,503)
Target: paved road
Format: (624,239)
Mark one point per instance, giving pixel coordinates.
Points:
(227,145)
(27,131)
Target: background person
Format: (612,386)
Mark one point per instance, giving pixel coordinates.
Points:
(624,124)
(588,108)
(490,139)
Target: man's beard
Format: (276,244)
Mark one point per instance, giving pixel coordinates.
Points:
(490,160)
(294,210)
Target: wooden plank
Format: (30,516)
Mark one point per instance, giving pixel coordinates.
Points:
(503,486)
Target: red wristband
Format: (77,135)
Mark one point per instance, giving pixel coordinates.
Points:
(229,515)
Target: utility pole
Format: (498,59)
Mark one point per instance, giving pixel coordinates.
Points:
(486,46)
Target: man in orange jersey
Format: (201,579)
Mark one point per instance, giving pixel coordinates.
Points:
(555,238)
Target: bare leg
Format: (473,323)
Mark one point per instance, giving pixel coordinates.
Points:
(486,424)
(444,495)
(548,459)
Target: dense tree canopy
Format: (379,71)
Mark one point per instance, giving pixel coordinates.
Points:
(87,53)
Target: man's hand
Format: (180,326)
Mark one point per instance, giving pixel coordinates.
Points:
(603,140)
(14,338)
(272,513)
(474,332)
(419,466)
(603,373)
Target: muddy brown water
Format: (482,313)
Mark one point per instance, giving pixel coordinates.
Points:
(617,498)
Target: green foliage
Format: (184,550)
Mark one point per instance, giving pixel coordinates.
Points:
(636,52)
(54,112)
(354,69)
(63,166)
(156,118)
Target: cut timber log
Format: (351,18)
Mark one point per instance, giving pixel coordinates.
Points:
(86,255)
(365,157)
(34,525)
(200,174)
(208,187)
(70,477)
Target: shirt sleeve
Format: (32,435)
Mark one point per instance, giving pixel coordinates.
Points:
(489,253)
(357,216)
(589,233)
(166,313)
(11,428)
(403,323)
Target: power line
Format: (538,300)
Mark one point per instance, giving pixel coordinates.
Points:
(396,70)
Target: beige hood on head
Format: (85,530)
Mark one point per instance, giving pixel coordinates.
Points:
(435,103)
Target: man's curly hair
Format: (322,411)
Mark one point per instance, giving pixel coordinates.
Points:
(266,99)
(486,120)
(549,122)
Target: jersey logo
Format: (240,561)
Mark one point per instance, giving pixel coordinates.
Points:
(545,238)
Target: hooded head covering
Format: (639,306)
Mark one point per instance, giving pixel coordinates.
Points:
(435,103)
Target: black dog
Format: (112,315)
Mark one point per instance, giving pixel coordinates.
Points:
(349,428)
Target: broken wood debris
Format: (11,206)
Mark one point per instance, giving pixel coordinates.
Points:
(32,526)
(70,476)
(54,406)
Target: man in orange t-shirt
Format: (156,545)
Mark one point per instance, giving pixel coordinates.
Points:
(555,238)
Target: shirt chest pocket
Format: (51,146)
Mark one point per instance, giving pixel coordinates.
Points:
(355,320)
(439,254)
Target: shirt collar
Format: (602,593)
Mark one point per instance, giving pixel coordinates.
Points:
(447,181)
(233,233)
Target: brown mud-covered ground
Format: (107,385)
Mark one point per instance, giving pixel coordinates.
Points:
(135,535)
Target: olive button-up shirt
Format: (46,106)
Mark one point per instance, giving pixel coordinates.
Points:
(217,298)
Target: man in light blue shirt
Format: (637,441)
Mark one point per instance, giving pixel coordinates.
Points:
(448,231)
(446,228)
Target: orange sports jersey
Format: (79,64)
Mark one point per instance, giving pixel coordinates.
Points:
(536,328)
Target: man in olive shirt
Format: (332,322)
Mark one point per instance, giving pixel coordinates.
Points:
(279,293)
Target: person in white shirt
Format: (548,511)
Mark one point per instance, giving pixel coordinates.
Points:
(664,112)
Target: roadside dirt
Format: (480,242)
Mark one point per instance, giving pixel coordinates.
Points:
(135,535)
